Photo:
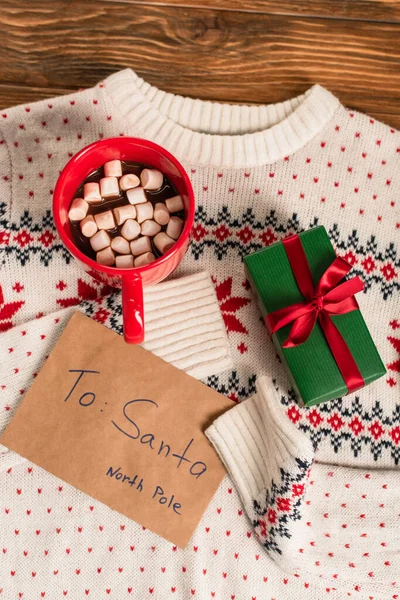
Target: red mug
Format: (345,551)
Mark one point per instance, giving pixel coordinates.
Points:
(131,281)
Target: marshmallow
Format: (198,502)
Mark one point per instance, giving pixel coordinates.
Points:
(106,257)
(91,192)
(163,242)
(140,246)
(174,227)
(161,213)
(120,245)
(122,213)
(151,179)
(124,262)
(144,212)
(88,226)
(130,229)
(78,209)
(105,220)
(113,168)
(150,228)
(129,181)
(109,187)
(144,259)
(174,204)
(136,196)
(100,240)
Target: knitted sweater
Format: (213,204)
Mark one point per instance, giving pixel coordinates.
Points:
(259,173)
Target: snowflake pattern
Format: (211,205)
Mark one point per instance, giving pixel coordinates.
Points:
(8,310)
(86,291)
(230,305)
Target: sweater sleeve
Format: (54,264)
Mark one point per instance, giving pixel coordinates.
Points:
(269,460)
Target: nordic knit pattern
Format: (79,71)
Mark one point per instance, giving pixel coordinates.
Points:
(259,173)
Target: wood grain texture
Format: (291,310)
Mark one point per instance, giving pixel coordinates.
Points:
(59,46)
(360,10)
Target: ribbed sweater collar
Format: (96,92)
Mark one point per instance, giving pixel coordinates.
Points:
(210,133)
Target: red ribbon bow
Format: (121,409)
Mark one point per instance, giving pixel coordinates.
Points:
(328,297)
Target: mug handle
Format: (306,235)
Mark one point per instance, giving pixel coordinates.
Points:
(132,309)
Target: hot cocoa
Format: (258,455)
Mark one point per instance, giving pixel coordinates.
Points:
(126,214)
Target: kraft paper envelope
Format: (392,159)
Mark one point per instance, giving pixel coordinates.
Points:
(123,426)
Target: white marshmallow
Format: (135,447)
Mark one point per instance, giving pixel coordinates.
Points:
(150,228)
(88,226)
(109,187)
(151,179)
(174,227)
(122,213)
(106,257)
(144,259)
(105,220)
(130,229)
(91,192)
(100,240)
(161,213)
(136,196)
(113,168)
(174,204)
(129,181)
(144,212)
(124,262)
(78,209)
(120,245)
(140,246)
(163,242)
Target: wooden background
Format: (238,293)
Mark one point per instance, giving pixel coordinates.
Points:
(251,51)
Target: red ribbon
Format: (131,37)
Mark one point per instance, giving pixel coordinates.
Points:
(328,297)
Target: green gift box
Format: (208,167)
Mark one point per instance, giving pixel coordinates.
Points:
(311,366)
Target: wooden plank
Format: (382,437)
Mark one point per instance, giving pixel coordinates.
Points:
(392,120)
(361,10)
(226,56)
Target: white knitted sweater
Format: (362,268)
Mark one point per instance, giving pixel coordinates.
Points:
(329,527)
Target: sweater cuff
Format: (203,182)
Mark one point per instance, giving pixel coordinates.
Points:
(258,443)
(184,325)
